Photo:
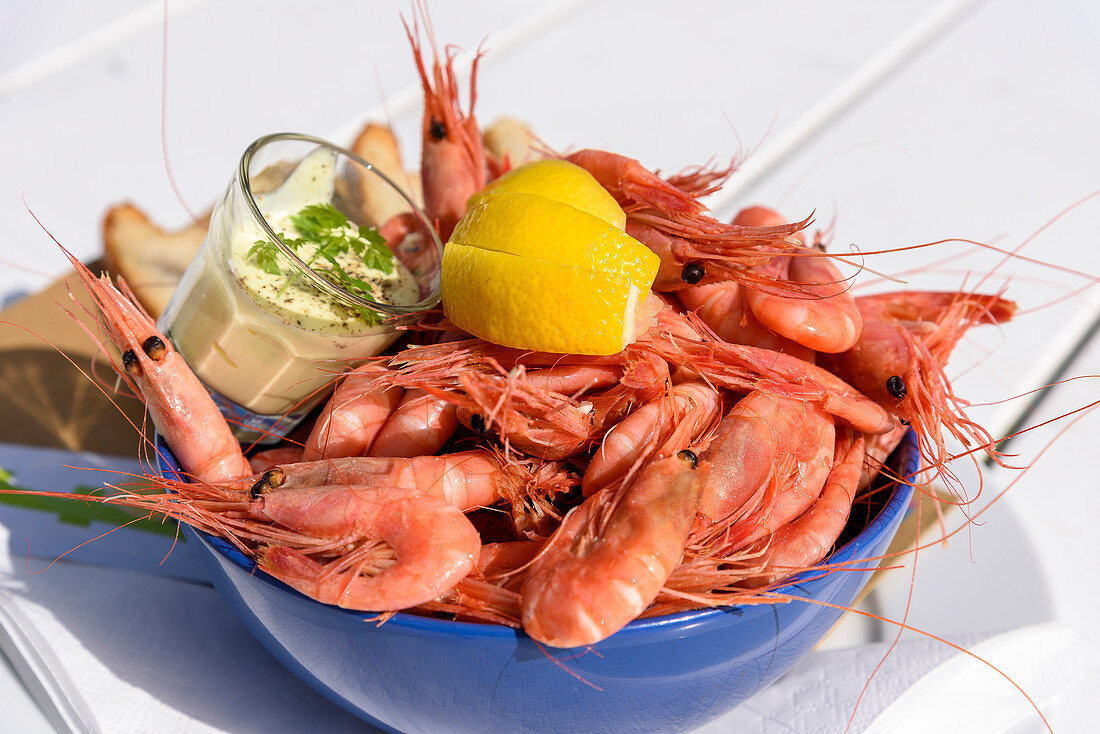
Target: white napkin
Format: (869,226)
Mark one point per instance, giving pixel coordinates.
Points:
(148,653)
(923,683)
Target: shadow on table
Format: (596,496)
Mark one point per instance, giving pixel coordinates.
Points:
(181,645)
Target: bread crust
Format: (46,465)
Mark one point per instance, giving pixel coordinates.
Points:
(149,258)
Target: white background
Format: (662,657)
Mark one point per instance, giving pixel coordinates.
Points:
(897,123)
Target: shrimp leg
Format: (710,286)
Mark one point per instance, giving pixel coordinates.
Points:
(898,361)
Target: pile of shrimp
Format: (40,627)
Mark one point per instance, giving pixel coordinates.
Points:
(713,458)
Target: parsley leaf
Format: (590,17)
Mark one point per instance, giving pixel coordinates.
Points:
(315,221)
(266,255)
(326,229)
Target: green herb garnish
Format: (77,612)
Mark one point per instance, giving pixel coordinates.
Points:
(324,227)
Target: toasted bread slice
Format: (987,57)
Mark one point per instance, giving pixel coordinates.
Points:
(376,202)
(150,259)
(510,143)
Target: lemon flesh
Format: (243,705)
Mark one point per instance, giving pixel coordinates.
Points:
(561,181)
(536,304)
(537,227)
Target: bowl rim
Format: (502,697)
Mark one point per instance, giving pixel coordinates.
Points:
(904,458)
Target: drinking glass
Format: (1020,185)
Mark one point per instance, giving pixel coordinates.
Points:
(268,337)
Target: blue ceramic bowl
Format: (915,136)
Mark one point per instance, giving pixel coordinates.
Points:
(672,673)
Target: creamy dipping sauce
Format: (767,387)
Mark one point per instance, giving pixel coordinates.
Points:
(269,342)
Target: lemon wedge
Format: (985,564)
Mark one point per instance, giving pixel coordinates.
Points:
(537,227)
(535,304)
(561,181)
(530,271)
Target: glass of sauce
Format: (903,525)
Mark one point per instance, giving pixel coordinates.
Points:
(295,283)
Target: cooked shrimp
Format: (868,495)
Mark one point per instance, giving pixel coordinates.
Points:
(686,412)
(899,360)
(453,163)
(644,377)
(823,317)
(632,184)
(505,559)
(180,407)
(494,391)
(467,479)
(611,556)
(775,450)
(261,461)
(805,541)
(436,546)
(575,379)
(420,425)
(668,218)
(684,339)
(353,416)
(540,423)
(413,246)
(724,308)
(877,450)
(698,181)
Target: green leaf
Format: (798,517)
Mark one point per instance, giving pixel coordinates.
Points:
(379,257)
(328,230)
(372,318)
(316,220)
(372,236)
(266,255)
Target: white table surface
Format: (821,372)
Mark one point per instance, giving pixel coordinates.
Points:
(898,123)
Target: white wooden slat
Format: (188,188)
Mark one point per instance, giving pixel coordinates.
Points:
(985,136)
(88,136)
(863,80)
(676,89)
(38,34)
(1057,498)
(625,80)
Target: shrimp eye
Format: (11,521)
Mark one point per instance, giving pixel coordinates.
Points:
(896,386)
(689,458)
(435,127)
(692,273)
(130,362)
(259,488)
(154,347)
(477,424)
(275,477)
(819,244)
